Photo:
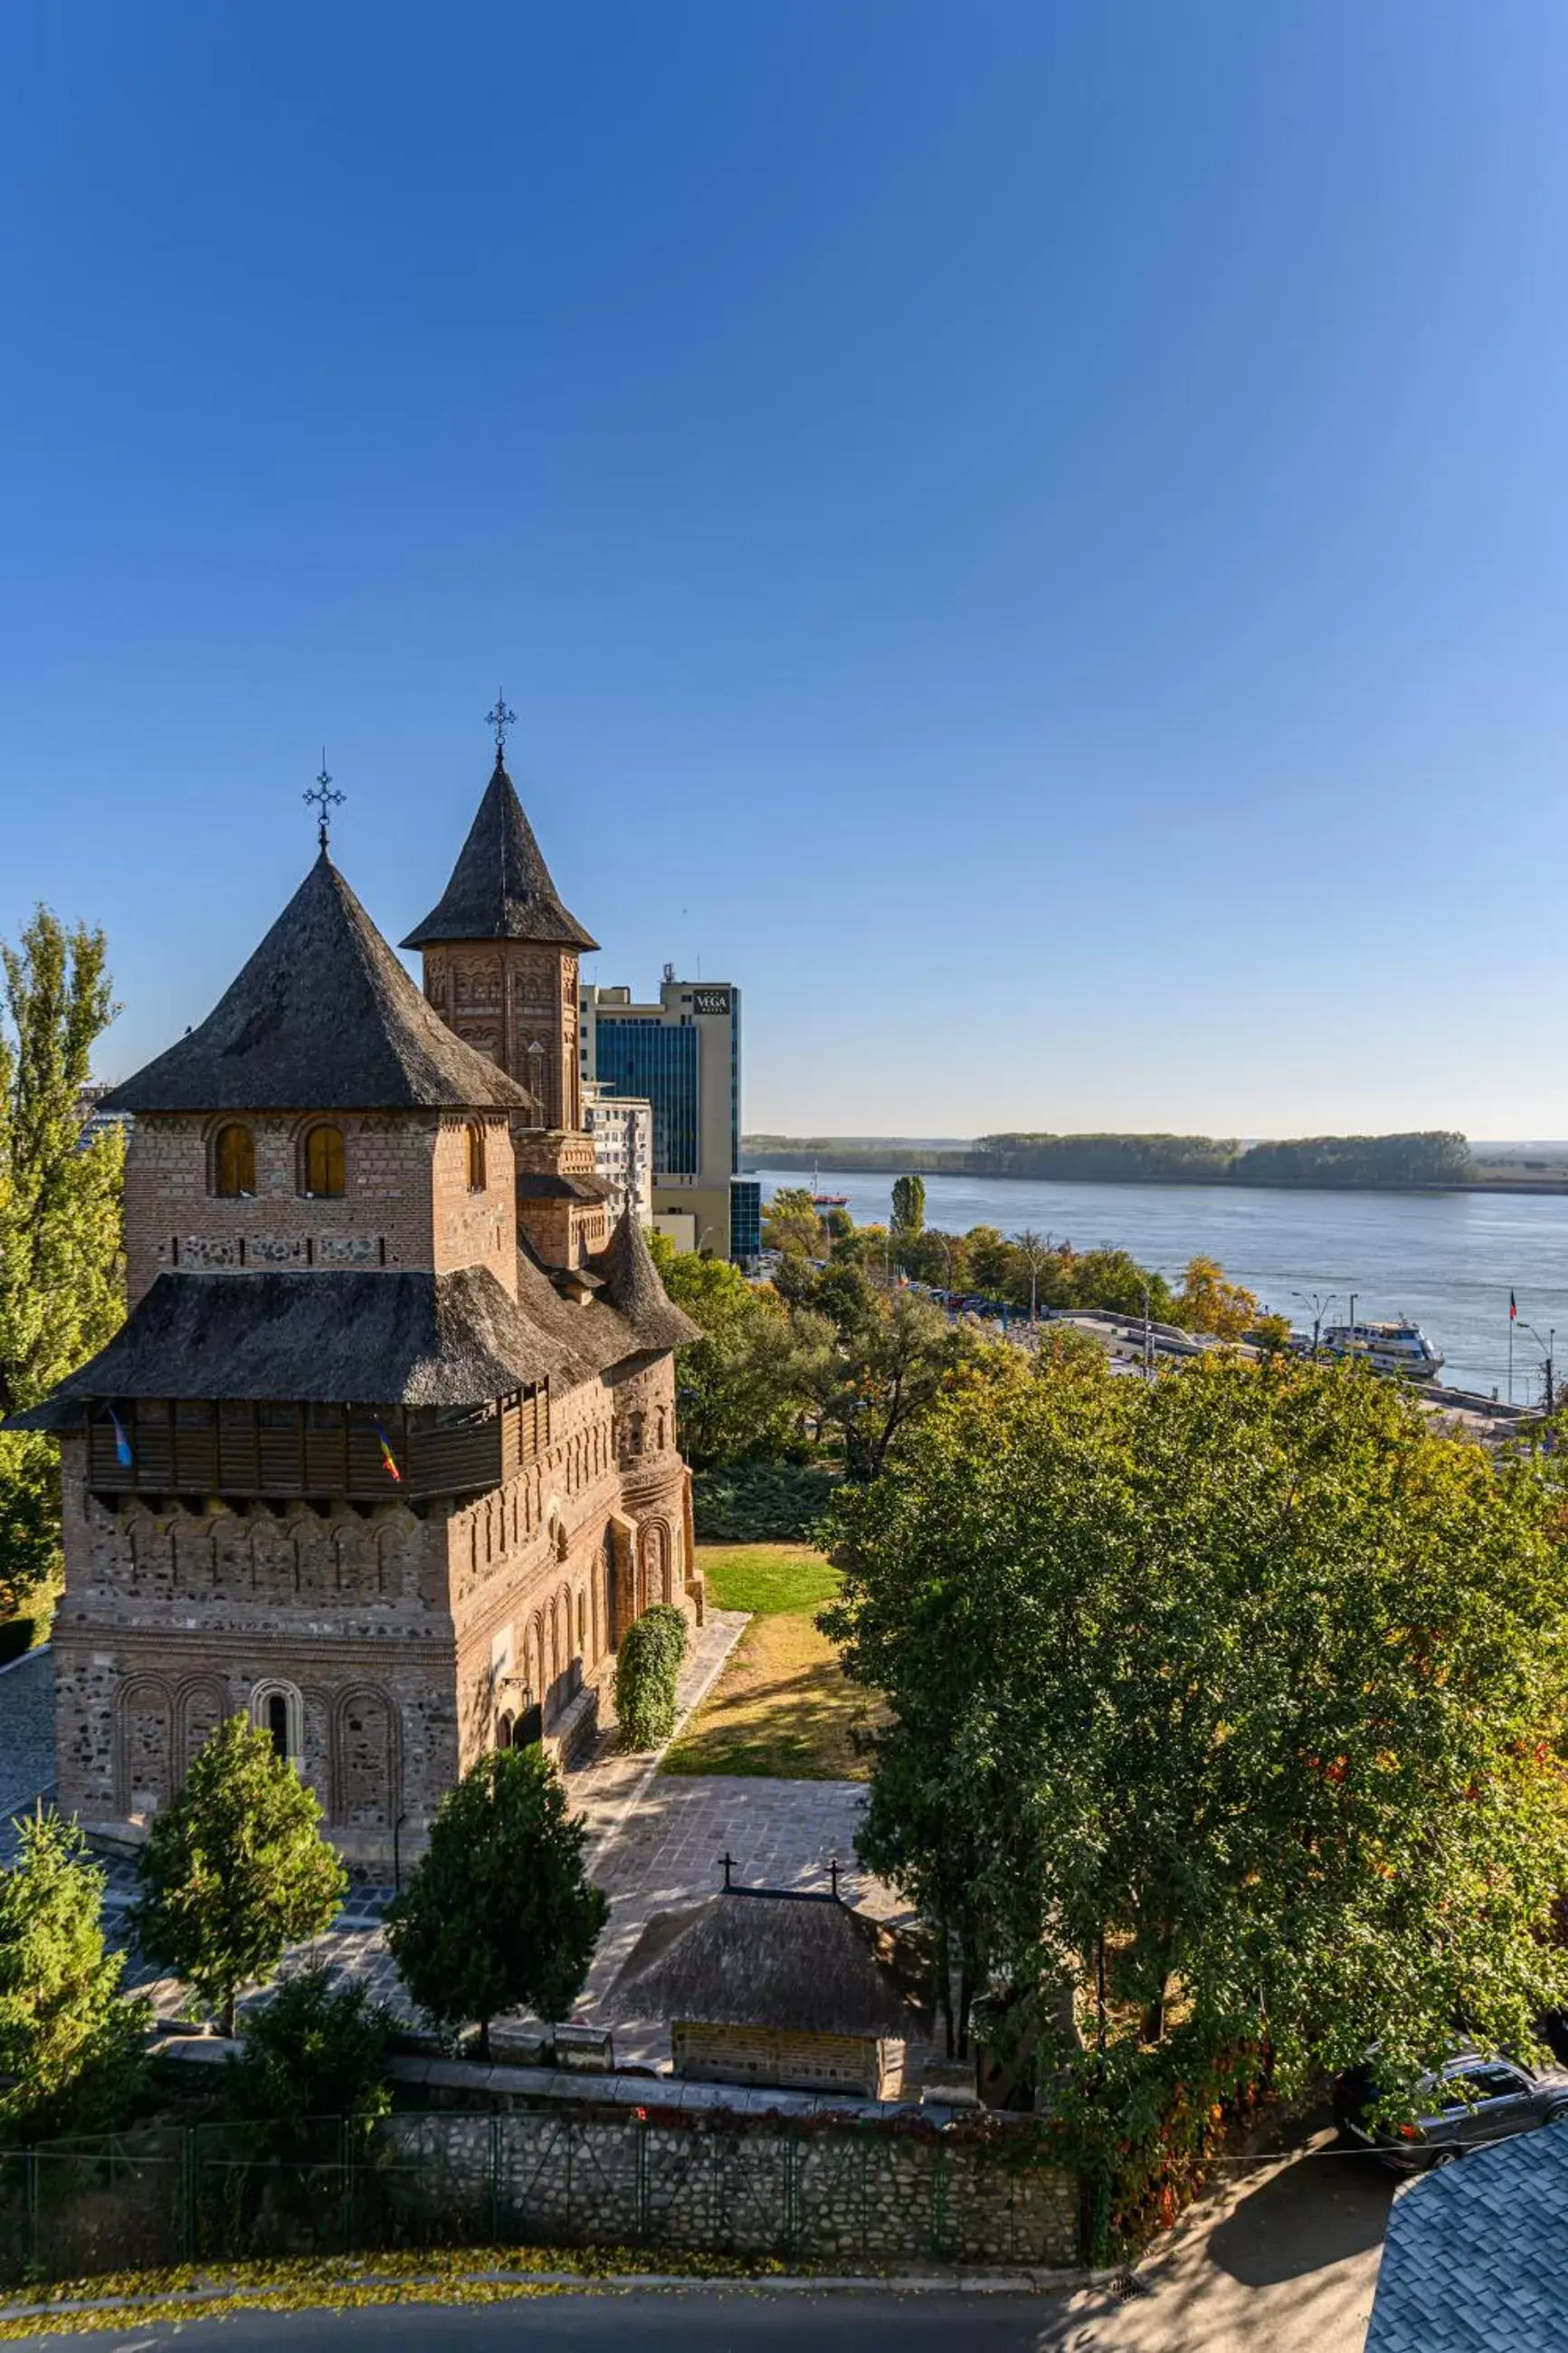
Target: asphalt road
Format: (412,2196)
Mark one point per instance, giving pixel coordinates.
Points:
(669,2320)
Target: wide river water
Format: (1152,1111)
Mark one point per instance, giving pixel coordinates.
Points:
(1450,1260)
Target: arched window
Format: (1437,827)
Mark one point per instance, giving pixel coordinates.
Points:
(276,1709)
(476,1137)
(234,1160)
(504,1730)
(582,1621)
(321,1162)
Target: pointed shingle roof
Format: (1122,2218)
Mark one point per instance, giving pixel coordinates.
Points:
(501,887)
(323,1017)
(633,1287)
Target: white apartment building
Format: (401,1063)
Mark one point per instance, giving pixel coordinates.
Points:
(622,1130)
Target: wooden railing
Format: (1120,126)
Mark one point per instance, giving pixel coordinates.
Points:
(195,1447)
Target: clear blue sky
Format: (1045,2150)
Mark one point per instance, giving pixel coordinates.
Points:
(1030,537)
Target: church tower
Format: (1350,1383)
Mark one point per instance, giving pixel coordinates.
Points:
(500,955)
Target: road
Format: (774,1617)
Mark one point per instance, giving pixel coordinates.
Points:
(673,2320)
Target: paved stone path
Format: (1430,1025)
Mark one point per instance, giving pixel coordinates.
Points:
(655,1841)
(27,1740)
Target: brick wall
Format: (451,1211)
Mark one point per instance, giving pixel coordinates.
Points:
(406,1201)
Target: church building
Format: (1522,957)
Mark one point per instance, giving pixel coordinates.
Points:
(384,1453)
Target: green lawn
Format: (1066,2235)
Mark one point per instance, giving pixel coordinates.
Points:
(783,1707)
(766,1579)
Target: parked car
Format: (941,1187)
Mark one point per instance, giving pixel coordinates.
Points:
(1460,2106)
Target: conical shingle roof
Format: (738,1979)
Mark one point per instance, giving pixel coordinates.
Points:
(633,1287)
(323,1017)
(501,887)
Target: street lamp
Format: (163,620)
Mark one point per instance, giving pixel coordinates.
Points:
(1320,1307)
(1548,1351)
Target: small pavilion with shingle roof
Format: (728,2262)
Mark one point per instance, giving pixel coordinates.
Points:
(767,1985)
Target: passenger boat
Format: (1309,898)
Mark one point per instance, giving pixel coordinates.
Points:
(1399,1347)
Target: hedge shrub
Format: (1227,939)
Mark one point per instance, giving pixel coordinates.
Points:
(760,1502)
(652,1651)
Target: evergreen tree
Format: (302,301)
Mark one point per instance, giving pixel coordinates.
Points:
(70,2044)
(59,1221)
(234,1870)
(499,1914)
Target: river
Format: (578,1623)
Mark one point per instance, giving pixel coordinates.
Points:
(1448,1259)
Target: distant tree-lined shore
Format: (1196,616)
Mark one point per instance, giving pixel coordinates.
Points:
(1435,1156)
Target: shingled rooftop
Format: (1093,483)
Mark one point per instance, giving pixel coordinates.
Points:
(395,1337)
(501,887)
(323,1018)
(803,1964)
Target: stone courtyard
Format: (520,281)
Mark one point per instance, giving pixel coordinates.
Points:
(656,1842)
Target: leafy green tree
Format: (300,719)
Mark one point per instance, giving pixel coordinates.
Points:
(744,1385)
(1112,1279)
(499,1914)
(234,1869)
(993,1263)
(316,2047)
(647,1666)
(1242,1690)
(790,1222)
(887,1371)
(909,1206)
(60,1222)
(70,2042)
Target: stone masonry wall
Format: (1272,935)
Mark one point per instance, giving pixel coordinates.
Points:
(406,1201)
(856,2193)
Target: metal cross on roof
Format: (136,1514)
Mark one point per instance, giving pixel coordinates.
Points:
(323,797)
(500,719)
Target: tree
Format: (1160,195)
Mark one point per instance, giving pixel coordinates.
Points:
(499,1914)
(1114,1280)
(234,1869)
(1244,1687)
(744,1385)
(59,1221)
(790,1222)
(909,1206)
(316,2047)
(887,1370)
(1208,1302)
(70,2042)
(992,1261)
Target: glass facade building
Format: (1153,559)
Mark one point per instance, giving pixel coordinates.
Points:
(745,1218)
(640,1055)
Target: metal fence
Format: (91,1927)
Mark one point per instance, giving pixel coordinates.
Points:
(860,2194)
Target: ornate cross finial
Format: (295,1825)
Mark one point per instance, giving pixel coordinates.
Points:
(500,719)
(322,797)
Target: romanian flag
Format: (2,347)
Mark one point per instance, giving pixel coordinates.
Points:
(1512,1308)
(121,1444)
(387,1456)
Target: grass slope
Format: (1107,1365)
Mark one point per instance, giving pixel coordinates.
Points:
(783,1707)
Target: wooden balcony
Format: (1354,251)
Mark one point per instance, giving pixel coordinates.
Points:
(194,1447)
